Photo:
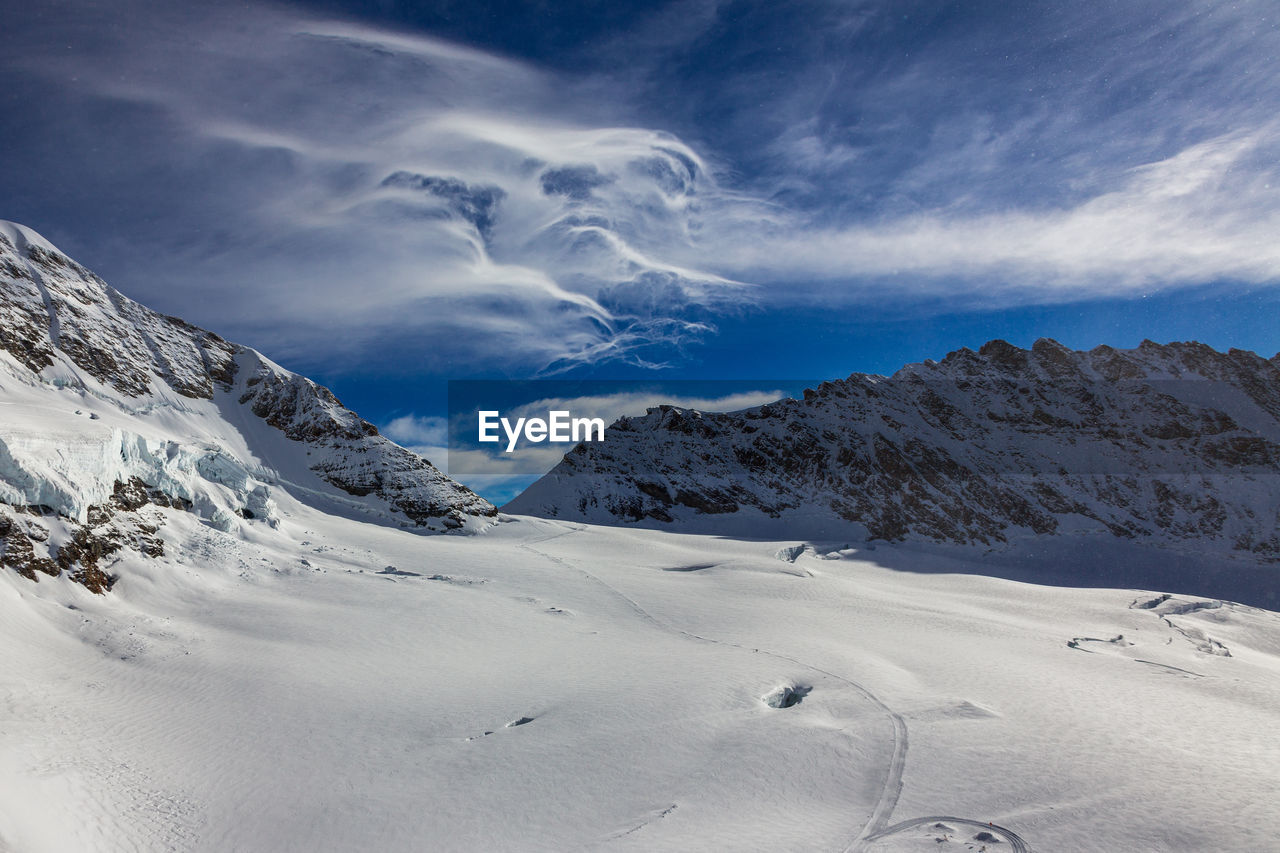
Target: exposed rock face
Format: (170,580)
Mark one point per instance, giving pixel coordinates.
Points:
(27,547)
(349,453)
(17,546)
(51,302)
(68,333)
(1171,444)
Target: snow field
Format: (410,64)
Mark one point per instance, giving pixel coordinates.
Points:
(231,696)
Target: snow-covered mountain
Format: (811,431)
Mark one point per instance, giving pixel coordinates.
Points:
(107,408)
(283,665)
(1176,445)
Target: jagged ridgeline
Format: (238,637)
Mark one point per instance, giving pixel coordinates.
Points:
(112,414)
(1172,444)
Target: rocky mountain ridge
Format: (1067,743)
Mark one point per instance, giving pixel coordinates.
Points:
(174,413)
(1173,444)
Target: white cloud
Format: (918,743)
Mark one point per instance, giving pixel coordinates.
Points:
(390,187)
(634,403)
(395,192)
(415,430)
(1208,213)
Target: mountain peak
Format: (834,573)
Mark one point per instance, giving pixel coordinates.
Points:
(1173,444)
(181,413)
(22,237)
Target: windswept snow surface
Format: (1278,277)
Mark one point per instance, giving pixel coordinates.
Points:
(328,684)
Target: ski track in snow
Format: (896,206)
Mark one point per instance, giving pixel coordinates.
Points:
(656,817)
(1016,843)
(877,826)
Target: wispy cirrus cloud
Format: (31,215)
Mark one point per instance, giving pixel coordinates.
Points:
(1206,214)
(347,195)
(396,187)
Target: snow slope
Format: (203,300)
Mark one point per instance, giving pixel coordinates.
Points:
(97,391)
(332,685)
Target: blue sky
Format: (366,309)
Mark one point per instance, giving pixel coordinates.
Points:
(389,195)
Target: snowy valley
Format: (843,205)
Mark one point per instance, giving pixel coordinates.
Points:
(237,618)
